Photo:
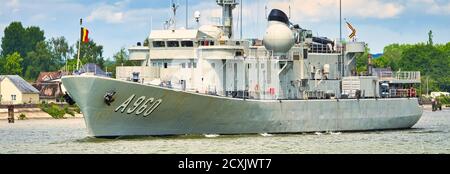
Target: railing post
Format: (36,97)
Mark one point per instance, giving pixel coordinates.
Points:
(10,113)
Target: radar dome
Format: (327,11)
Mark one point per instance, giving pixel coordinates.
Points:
(197,15)
(278,38)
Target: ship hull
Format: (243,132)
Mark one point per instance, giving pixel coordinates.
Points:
(149,110)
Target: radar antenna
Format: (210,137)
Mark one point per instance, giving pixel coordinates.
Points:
(227,15)
(172,22)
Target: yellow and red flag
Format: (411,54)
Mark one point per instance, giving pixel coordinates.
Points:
(84,35)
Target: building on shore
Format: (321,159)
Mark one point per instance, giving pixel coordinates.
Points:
(15,90)
(50,87)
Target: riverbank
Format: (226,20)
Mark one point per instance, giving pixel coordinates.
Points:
(32,113)
(430,108)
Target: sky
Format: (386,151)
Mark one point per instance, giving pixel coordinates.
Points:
(117,24)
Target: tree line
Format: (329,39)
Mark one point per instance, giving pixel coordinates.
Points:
(26,52)
(432,60)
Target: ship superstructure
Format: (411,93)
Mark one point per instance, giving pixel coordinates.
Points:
(194,81)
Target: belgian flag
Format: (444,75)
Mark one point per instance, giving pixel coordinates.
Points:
(84,35)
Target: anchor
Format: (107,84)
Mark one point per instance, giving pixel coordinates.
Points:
(109,97)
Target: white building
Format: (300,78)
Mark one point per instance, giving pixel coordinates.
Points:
(15,90)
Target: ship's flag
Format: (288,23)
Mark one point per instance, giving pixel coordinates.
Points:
(84,35)
(353,34)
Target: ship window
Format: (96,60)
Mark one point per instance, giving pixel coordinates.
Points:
(173,44)
(213,65)
(183,65)
(262,65)
(159,44)
(165,65)
(187,44)
(206,43)
(13,97)
(238,53)
(189,65)
(249,65)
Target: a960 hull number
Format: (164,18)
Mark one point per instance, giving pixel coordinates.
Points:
(141,106)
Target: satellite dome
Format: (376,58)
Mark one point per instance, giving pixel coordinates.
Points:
(278,38)
(278,15)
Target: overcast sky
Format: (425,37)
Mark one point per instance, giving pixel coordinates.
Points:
(122,23)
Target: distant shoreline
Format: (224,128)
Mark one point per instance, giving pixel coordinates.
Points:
(33,113)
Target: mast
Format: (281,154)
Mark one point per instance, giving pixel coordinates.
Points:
(227,15)
(340,21)
(242,4)
(187,14)
(342,60)
(173,22)
(79,46)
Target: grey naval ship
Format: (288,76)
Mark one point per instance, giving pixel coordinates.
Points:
(203,81)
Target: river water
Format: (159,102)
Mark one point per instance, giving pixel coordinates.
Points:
(430,136)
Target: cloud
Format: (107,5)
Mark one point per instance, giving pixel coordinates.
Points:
(118,13)
(107,13)
(13,5)
(319,10)
(434,7)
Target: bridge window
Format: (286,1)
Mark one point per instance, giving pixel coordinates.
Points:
(173,44)
(187,44)
(206,43)
(159,44)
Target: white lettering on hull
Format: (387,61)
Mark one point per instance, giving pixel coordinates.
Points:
(142,106)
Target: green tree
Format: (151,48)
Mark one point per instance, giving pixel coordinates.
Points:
(34,35)
(22,40)
(90,53)
(121,58)
(362,61)
(391,56)
(42,61)
(12,65)
(60,50)
(2,63)
(14,39)
(430,38)
(431,62)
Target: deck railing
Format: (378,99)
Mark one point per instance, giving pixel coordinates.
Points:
(401,75)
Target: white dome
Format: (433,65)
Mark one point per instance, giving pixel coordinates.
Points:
(279,38)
